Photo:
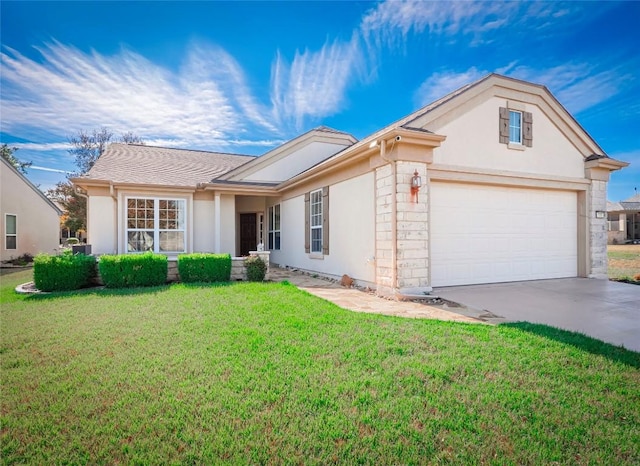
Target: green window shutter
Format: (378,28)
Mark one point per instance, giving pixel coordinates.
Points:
(307,224)
(325,220)
(527,129)
(504,125)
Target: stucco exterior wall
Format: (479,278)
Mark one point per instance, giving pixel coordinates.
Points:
(101,227)
(227,224)
(296,162)
(203,225)
(351,232)
(472,141)
(37,223)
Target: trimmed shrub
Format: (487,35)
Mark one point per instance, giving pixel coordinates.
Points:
(256,269)
(200,267)
(64,272)
(128,270)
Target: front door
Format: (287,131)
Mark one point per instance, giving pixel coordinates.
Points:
(248,236)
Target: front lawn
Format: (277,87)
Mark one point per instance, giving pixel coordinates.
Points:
(265,373)
(624,261)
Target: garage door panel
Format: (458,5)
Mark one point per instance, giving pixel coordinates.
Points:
(485,234)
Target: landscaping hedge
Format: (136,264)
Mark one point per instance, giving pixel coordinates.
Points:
(64,272)
(200,267)
(256,269)
(127,270)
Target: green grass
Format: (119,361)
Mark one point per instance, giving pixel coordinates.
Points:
(624,262)
(265,373)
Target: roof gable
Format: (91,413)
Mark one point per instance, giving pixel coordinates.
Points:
(293,157)
(511,89)
(31,186)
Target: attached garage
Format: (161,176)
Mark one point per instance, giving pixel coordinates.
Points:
(490,234)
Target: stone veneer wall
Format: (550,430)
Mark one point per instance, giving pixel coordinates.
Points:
(384,260)
(597,201)
(412,234)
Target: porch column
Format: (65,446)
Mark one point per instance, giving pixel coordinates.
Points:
(217,224)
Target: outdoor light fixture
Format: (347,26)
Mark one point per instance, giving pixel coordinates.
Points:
(599,214)
(416,183)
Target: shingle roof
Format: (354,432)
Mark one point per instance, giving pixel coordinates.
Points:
(132,163)
(631,204)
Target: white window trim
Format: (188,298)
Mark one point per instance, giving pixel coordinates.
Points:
(312,227)
(272,227)
(520,142)
(10,234)
(156,224)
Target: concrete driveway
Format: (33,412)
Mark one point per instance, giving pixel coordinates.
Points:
(609,311)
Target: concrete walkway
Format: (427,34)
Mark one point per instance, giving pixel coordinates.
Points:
(363,301)
(609,311)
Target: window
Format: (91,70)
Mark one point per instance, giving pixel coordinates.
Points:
(274,227)
(316,221)
(156,225)
(10,231)
(515,127)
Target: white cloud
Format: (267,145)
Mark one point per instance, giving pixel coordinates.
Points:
(314,84)
(46,169)
(440,84)
(204,103)
(578,86)
(41,147)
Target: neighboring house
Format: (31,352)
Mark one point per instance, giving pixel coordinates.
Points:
(624,221)
(30,221)
(507,186)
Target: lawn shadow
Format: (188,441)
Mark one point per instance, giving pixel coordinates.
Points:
(580,341)
(103,291)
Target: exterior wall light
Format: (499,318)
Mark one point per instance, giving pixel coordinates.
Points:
(416,183)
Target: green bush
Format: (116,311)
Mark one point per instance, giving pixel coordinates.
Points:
(63,272)
(256,269)
(127,270)
(199,267)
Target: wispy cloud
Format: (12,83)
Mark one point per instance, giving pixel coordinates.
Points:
(47,169)
(441,83)
(205,102)
(578,86)
(314,83)
(41,147)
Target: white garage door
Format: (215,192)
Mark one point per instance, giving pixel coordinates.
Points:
(488,234)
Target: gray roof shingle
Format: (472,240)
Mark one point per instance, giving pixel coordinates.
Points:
(138,164)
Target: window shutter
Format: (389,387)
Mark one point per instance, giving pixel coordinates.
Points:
(504,125)
(307,224)
(325,220)
(527,129)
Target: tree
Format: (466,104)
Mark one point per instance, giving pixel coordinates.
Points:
(7,154)
(73,204)
(88,147)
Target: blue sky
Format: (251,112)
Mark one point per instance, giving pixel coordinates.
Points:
(243,77)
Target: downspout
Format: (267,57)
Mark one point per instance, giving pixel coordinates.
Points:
(394,215)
